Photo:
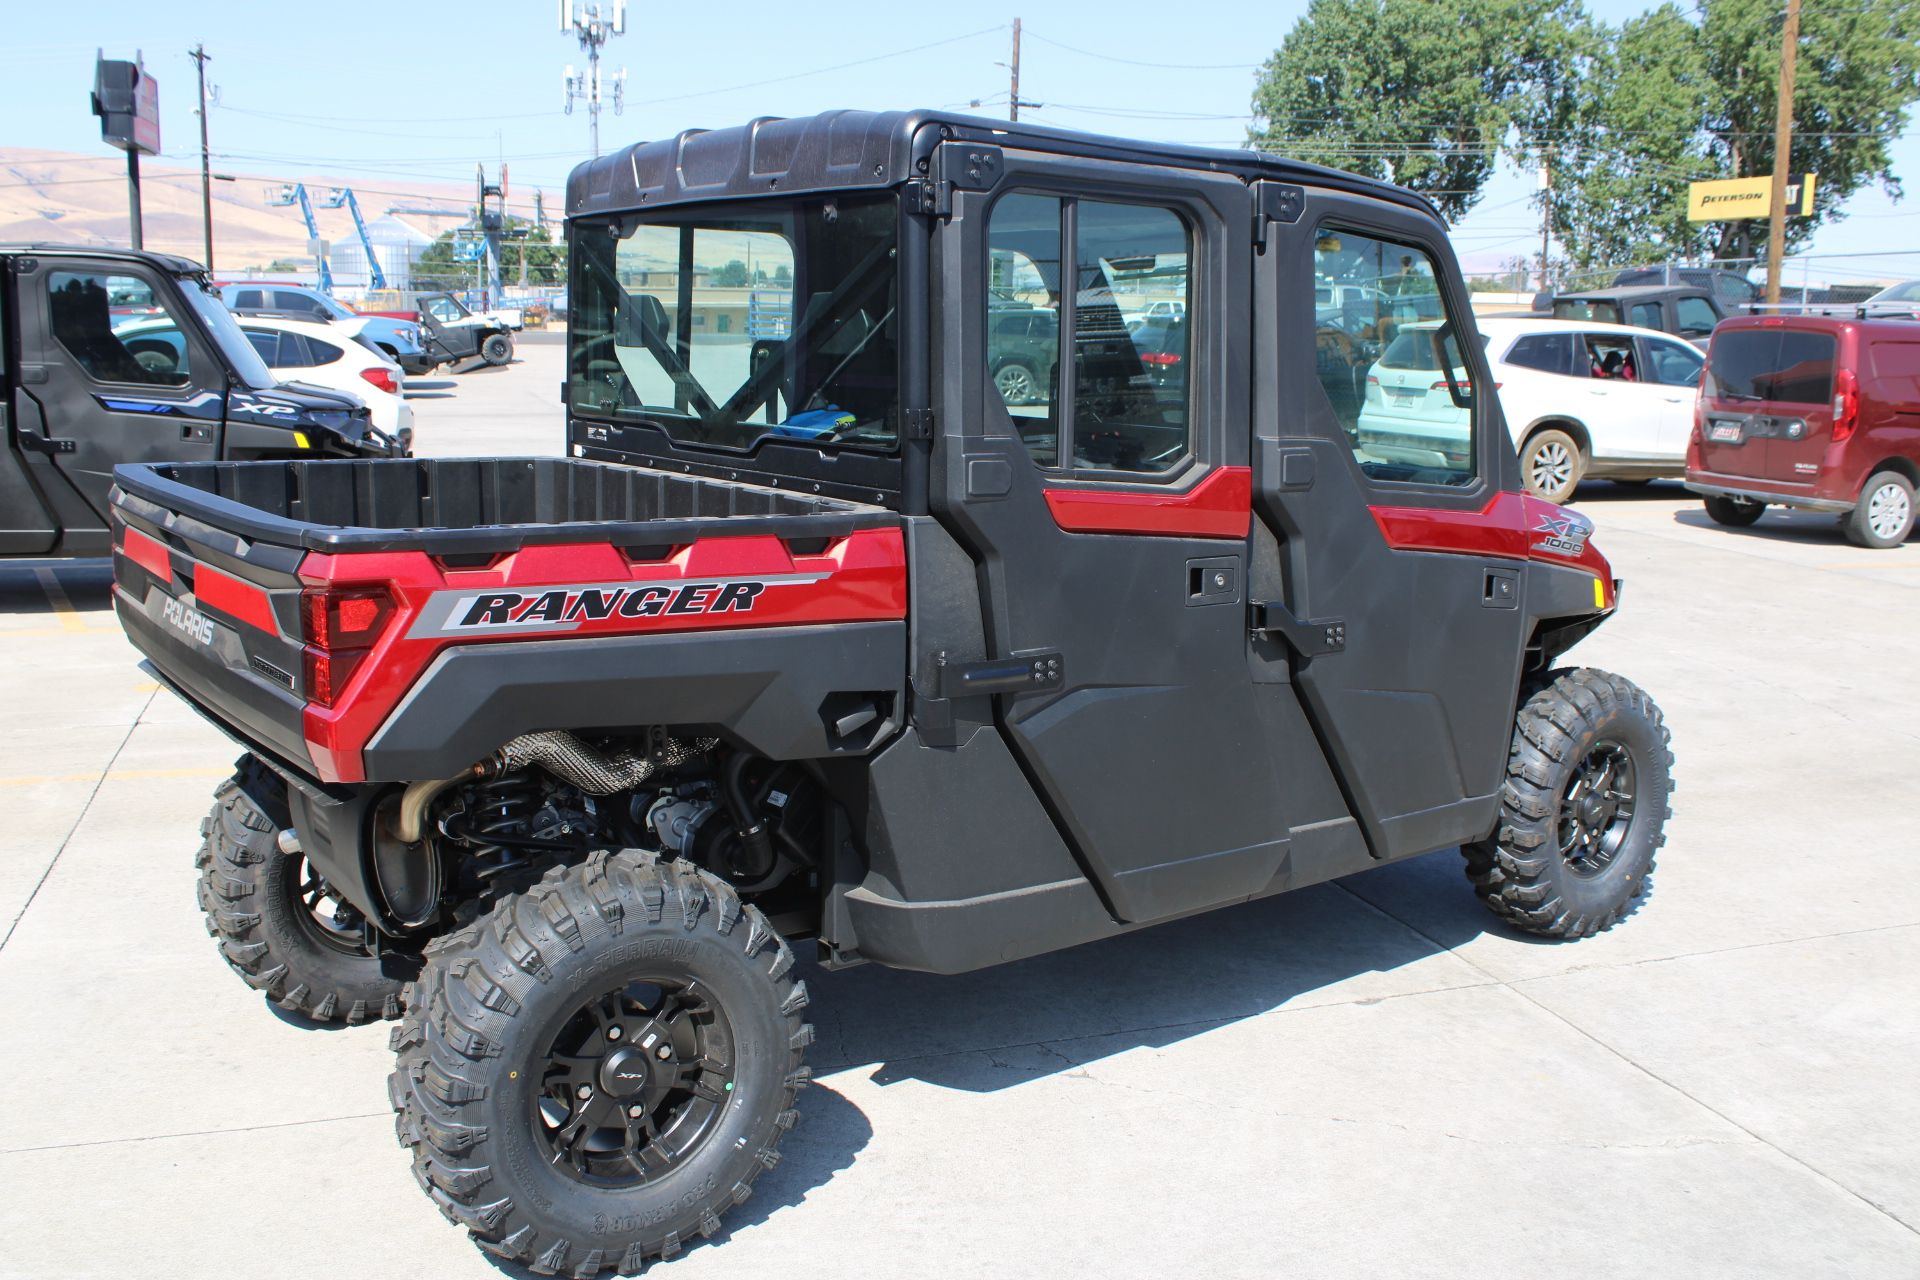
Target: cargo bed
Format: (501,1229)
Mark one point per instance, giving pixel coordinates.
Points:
(231,578)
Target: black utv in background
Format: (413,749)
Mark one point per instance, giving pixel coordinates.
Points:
(111,356)
(828,630)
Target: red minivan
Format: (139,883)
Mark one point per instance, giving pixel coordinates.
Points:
(1811,412)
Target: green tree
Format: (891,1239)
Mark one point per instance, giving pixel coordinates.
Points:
(1420,92)
(731,275)
(1680,100)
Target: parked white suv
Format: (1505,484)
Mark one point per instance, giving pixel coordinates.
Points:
(1588,400)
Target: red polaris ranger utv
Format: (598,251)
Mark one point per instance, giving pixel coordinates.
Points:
(825,631)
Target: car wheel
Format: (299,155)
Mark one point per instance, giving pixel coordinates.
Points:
(1884,515)
(1016,384)
(1735,513)
(497,349)
(1551,464)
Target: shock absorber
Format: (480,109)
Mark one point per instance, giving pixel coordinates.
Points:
(495,821)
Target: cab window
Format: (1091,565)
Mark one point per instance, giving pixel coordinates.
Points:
(1647,315)
(1695,316)
(1389,360)
(1547,352)
(1122,401)
(117,328)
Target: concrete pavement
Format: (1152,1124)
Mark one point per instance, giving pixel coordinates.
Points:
(1362,1079)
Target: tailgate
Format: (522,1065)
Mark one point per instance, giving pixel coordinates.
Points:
(218,617)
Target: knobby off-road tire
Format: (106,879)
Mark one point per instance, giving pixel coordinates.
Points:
(1570,856)
(256,902)
(497,349)
(513,1036)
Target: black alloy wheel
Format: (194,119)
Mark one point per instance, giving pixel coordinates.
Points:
(1596,809)
(635,1082)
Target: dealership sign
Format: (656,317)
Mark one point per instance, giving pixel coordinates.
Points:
(1732,199)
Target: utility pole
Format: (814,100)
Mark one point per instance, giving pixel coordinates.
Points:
(200,57)
(1546,212)
(1013,97)
(1782,152)
(593,29)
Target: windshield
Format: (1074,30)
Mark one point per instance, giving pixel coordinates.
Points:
(1593,310)
(1905,292)
(334,307)
(727,327)
(241,357)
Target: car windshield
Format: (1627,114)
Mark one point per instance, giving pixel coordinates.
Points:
(724,328)
(1413,348)
(241,357)
(1908,291)
(1593,310)
(333,306)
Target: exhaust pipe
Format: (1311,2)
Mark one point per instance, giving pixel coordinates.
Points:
(560,753)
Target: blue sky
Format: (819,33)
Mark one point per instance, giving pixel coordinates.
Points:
(387,95)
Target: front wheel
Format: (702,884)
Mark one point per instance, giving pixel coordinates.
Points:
(1884,515)
(597,1069)
(1583,809)
(497,349)
(1551,464)
(280,925)
(1734,513)
(1016,384)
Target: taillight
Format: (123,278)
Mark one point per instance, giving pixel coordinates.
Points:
(340,627)
(382,377)
(1846,404)
(1160,358)
(1700,414)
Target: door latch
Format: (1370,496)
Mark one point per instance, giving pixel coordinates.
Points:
(1309,639)
(45,444)
(1020,673)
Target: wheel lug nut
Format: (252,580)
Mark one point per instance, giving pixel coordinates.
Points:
(584,1091)
(664,1052)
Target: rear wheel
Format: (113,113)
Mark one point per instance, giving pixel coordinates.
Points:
(280,926)
(1884,515)
(1583,809)
(1552,464)
(1735,513)
(597,1069)
(1016,384)
(497,349)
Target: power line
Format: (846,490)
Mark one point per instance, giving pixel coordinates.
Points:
(1160,66)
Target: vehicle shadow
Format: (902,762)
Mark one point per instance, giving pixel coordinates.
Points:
(1004,1026)
(44,586)
(1777,525)
(1626,491)
(831,1134)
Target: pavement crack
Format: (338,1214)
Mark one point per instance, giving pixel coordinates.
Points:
(195,1133)
(86,808)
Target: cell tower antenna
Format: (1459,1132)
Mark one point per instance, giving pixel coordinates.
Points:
(593,24)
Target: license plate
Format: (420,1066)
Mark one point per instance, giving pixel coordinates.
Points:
(1402,401)
(1725,432)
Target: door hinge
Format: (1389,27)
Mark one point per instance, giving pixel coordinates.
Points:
(930,197)
(1309,639)
(918,424)
(1020,673)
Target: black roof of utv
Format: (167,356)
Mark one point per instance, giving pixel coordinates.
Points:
(844,150)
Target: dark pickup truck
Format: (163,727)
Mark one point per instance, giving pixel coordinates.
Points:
(825,631)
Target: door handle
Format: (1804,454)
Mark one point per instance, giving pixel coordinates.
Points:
(1674,399)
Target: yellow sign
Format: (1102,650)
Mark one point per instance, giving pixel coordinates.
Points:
(1732,199)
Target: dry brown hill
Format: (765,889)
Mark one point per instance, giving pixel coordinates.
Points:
(68,198)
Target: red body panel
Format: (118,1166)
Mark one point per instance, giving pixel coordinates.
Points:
(859,578)
(148,554)
(242,601)
(1220,506)
(1512,526)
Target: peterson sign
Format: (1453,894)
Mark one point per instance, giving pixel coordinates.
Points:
(1736,198)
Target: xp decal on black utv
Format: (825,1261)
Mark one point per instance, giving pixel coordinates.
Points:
(829,629)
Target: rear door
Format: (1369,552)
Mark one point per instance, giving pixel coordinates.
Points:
(1412,570)
(109,388)
(26,526)
(1108,516)
(1770,399)
(1671,372)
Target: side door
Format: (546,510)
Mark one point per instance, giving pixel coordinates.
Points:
(26,525)
(1671,372)
(1405,582)
(1694,318)
(106,389)
(1107,513)
(1623,411)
